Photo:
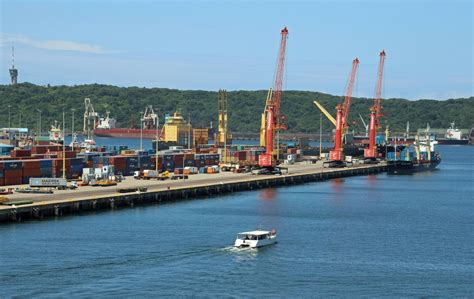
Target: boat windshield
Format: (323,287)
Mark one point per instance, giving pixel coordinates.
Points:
(251,237)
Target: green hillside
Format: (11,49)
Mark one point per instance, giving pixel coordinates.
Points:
(245,107)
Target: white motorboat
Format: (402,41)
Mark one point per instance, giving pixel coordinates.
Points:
(255,239)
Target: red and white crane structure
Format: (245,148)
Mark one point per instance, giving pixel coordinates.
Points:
(342,116)
(375,112)
(273,119)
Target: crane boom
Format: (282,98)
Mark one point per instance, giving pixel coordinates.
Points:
(325,112)
(342,113)
(276,96)
(378,90)
(375,112)
(348,97)
(273,119)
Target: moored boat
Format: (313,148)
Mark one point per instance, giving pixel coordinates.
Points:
(421,156)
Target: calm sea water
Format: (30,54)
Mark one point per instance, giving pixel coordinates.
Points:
(367,236)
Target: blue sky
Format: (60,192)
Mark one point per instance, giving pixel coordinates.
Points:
(233,44)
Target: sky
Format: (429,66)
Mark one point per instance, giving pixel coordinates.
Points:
(208,45)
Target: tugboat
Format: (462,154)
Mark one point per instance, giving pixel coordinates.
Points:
(421,156)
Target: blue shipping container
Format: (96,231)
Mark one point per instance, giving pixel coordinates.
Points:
(10,165)
(46,163)
(46,172)
(168,165)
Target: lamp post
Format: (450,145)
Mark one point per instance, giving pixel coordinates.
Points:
(141,131)
(320,134)
(157,142)
(39,122)
(64,147)
(72,128)
(9,118)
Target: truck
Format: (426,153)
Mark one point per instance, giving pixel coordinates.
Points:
(149,174)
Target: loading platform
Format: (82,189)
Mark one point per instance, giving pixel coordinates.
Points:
(42,206)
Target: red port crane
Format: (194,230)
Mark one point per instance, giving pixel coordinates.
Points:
(274,120)
(342,115)
(375,112)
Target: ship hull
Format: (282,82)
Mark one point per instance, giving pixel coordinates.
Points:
(126,133)
(409,167)
(453,141)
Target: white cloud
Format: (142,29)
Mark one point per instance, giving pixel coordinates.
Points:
(58,45)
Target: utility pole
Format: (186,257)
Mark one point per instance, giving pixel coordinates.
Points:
(9,117)
(141,130)
(157,142)
(72,128)
(320,134)
(189,131)
(39,126)
(64,147)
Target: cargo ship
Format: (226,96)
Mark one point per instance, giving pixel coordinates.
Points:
(106,128)
(420,156)
(453,136)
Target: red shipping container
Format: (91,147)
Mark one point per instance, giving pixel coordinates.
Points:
(13,173)
(178,159)
(31,164)
(58,163)
(2,182)
(188,156)
(13,181)
(31,172)
(39,149)
(68,154)
(20,153)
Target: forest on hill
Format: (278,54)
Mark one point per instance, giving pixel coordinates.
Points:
(244,107)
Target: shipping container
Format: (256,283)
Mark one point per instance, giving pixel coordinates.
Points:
(192,170)
(178,171)
(46,163)
(31,164)
(168,165)
(12,181)
(20,153)
(47,182)
(15,164)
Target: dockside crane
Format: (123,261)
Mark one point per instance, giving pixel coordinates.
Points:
(90,119)
(222,138)
(370,153)
(342,116)
(273,119)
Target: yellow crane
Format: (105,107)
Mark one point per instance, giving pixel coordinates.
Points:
(325,112)
(264,119)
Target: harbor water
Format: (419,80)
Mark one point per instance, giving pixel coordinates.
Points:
(367,236)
